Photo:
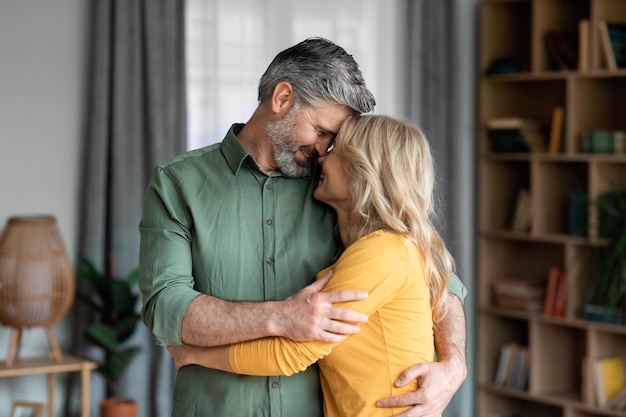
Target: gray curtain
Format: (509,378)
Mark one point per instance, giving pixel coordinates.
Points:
(136,120)
(441,98)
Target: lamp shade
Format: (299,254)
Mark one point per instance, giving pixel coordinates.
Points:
(36,279)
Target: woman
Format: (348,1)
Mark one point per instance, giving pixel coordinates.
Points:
(379,177)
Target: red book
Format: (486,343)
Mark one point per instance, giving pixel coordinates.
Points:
(553,283)
(560,301)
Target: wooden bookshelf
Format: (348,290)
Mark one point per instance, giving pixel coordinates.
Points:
(593,98)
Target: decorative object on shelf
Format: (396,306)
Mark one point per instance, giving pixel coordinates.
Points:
(114,302)
(606,284)
(36,279)
(613,37)
(27,409)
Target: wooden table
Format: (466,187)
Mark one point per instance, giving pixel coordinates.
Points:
(51,367)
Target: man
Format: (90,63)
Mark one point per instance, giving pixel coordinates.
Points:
(230,229)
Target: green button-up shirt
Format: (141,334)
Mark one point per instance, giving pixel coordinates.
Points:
(213,223)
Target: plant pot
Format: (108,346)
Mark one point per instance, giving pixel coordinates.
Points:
(118,407)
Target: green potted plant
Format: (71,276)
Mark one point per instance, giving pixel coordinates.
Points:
(606,285)
(113,301)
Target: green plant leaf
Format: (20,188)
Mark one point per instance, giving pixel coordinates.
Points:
(122,298)
(606,283)
(103,335)
(114,300)
(132,277)
(126,327)
(119,361)
(89,301)
(88,272)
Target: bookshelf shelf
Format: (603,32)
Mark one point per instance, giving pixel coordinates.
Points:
(592,96)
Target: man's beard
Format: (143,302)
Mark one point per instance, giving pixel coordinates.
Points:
(283,138)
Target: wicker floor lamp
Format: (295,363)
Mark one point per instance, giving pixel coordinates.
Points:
(36,279)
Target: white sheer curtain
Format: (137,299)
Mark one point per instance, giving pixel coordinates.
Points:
(230,43)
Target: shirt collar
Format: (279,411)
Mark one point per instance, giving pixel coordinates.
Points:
(236,154)
(233,150)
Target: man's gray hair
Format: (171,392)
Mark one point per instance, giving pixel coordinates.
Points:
(318,70)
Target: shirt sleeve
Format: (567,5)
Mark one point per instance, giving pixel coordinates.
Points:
(165,264)
(373,265)
(456,287)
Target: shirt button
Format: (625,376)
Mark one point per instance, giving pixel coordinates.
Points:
(268,222)
(269,261)
(268,186)
(275,385)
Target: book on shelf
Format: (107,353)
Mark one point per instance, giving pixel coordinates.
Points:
(556,130)
(562,50)
(613,39)
(504,364)
(521,218)
(513,367)
(519,295)
(618,401)
(578,213)
(551,286)
(520,368)
(583,44)
(508,65)
(560,299)
(609,378)
(604,141)
(515,134)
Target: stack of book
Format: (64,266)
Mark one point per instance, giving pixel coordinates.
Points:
(604,141)
(515,134)
(519,295)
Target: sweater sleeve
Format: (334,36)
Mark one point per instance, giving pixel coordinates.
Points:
(377,263)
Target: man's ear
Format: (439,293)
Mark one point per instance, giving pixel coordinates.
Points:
(282,98)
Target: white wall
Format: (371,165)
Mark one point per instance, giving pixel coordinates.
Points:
(43,59)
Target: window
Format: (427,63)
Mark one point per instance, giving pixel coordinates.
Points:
(230,43)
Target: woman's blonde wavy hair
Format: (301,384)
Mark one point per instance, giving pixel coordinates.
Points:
(392,187)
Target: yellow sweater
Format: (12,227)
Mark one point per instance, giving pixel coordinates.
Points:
(362,369)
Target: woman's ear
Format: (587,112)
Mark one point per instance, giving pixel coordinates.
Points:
(282,98)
